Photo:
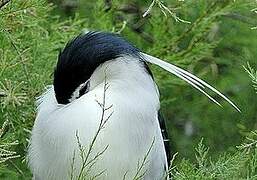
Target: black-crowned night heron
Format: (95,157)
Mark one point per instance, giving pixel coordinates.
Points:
(100,118)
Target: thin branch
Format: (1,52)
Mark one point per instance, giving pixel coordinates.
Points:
(17,168)
(3,128)
(164,9)
(252,74)
(97,175)
(144,162)
(124,24)
(195,24)
(3,3)
(7,154)
(72,165)
(124,176)
(251,142)
(97,156)
(149,9)
(169,172)
(20,55)
(85,157)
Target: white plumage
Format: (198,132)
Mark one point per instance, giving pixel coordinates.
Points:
(128,133)
(130,144)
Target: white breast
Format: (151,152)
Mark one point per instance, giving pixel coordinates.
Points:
(129,132)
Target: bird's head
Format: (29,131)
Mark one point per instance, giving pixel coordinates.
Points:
(84,54)
(81,57)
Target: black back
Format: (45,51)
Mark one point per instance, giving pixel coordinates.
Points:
(165,136)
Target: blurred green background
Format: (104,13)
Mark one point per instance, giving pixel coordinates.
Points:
(219,40)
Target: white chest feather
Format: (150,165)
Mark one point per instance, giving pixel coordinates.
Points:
(128,145)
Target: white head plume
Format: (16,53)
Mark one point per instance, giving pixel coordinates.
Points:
(188,77)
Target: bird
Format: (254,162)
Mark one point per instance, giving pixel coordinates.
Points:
(100,119)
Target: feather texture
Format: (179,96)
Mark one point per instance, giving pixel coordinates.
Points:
(128,133)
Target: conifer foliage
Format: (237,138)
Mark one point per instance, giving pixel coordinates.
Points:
(212,39)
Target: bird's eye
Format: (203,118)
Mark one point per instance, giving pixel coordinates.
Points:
(84,89)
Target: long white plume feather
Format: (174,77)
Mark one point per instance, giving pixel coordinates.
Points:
(188,77)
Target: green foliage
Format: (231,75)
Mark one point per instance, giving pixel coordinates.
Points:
(5,153)
(219,39)
(241,165)
(252,74)
(30,39)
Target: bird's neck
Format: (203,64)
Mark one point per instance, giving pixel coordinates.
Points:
(126,71)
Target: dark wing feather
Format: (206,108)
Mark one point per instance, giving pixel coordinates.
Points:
(165,136)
